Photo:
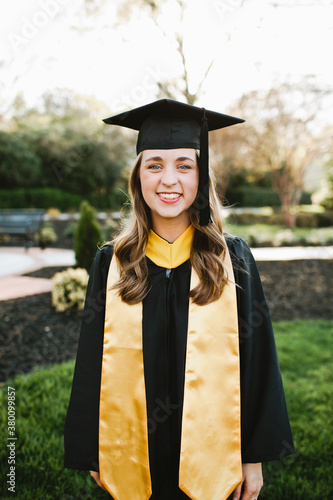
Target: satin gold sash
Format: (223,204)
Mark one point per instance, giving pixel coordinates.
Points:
(210,460)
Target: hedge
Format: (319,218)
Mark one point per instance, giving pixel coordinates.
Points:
(255,196)
(57,198)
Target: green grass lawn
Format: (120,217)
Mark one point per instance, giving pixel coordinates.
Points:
(305,353)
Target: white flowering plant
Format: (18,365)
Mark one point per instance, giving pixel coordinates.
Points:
(47,236)
(69,289)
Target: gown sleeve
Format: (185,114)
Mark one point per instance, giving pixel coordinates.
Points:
(81,424)
(265,428)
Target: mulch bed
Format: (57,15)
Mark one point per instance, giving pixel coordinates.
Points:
(32,333)
(298,289)
(47,272)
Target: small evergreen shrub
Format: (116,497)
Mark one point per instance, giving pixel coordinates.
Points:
(69,289)
(88,235)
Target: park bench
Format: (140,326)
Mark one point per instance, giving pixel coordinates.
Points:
(24,222)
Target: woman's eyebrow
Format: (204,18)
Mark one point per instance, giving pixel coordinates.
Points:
(159,158)
(154,158)
(183,158)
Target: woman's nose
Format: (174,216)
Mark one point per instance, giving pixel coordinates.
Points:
(169,177)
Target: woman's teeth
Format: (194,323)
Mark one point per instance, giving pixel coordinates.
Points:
(169,196)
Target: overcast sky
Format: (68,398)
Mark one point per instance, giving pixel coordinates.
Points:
(252,46)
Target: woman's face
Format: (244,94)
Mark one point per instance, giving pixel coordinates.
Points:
(169,182)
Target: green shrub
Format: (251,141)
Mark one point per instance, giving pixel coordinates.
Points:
(58,198)
(248,218)
(258,196)
(323,236)
(325,219)
(108,201)
(305,198)
(306,220)
(69,289)
(285,238)
(276,219)
(253,196)
(88,235)
(39,197)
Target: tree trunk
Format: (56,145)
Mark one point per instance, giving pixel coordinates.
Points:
(289,218)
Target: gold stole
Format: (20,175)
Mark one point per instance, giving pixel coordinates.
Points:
(210,458)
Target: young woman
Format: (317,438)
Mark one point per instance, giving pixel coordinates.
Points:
(177,391)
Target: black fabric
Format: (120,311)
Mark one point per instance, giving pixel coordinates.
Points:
(203,188)
(135,118)
(265,428)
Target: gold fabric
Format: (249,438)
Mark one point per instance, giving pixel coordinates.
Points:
(210,456)
(123,435)
(210,460)
(170,255)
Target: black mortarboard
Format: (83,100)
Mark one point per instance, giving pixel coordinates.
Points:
(168,124)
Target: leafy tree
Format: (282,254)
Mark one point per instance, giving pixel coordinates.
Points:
(20,166)
(75,150)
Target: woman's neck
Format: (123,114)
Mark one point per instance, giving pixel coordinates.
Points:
(170,229)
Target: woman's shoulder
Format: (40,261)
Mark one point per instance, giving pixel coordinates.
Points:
(237,245)
(106,249)
(240,253)
(103,258)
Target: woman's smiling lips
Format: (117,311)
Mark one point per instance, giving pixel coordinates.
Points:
(167,197)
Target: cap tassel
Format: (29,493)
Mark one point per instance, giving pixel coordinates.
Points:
(203,188)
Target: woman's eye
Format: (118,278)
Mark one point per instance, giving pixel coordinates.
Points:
(154,167)
(185,167)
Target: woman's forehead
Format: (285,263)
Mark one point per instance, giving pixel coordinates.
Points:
(168,154)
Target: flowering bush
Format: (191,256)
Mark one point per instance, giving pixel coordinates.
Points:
(285,238)
(47,235)
(69,289)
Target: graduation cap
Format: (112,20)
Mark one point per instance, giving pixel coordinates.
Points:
(168,124)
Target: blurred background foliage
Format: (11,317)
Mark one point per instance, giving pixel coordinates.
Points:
(59,153)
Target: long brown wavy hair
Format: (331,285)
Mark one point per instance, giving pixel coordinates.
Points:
(207,252)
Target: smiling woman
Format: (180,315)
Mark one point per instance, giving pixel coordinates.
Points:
(177,392)
(169,183)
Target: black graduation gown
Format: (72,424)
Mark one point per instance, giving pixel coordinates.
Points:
(265,429)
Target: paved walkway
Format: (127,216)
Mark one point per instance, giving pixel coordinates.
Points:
(15,261)
(293,253)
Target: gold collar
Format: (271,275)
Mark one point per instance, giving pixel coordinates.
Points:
(170,255)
